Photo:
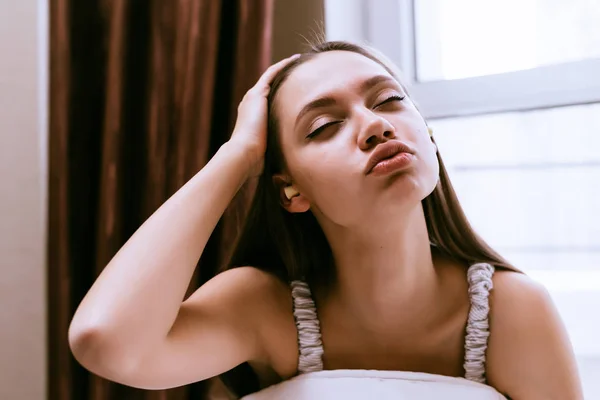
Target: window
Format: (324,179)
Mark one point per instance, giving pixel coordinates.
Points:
(512,90)
(457,39)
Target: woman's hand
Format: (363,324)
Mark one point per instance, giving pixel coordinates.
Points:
(250,131)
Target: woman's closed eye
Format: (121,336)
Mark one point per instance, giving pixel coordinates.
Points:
(391,99)
(321,129)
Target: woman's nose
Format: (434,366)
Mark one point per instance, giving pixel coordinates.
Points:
(375,129)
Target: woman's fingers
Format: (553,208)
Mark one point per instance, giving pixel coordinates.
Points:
(269,74)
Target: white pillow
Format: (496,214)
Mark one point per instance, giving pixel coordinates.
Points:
(380,385)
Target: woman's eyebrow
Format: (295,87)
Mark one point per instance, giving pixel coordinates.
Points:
(327,101)
(318,103)
(375,80)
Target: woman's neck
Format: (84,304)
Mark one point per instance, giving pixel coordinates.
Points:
(377,273)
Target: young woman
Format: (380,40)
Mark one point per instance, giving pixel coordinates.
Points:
(355,255)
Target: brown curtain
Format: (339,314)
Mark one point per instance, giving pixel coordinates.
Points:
(143,92)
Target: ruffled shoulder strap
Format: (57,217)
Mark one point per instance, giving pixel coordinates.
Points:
(310,345)
(478,328)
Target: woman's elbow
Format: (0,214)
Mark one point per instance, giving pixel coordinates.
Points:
(99,352)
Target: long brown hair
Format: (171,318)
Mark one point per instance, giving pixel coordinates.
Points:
(293,246)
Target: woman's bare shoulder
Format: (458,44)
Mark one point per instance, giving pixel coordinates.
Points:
(529,353)
(250,286)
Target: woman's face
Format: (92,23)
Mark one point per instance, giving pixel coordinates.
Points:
(334,111)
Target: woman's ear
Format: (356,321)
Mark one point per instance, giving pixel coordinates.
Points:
(290,197)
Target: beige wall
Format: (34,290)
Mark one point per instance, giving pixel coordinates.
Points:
(294,19)
(22,201)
